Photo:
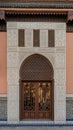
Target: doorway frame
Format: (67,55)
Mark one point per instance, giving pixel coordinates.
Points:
(16,55)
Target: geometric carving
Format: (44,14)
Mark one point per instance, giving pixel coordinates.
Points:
(36,67)
(59,38)
(12,37)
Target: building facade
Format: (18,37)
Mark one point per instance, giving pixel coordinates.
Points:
(36,82)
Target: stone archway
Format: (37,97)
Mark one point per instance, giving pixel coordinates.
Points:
(36,88)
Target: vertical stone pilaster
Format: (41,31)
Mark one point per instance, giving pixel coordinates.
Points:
(28,38)
(60,76)
(43,38)
(13,103)
(12,73)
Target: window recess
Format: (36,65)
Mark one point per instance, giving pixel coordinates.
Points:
(21,37)
(36,38)
(51,38)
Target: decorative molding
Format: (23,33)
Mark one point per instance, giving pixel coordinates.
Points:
(69,95)
(43,4)
(16,16)
(36,16)
(35,1)
(3,95)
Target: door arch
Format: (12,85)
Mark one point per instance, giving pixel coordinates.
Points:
(36,88)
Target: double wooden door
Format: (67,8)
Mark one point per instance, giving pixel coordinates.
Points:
(36,100)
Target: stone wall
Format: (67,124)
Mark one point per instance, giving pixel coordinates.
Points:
(56,55)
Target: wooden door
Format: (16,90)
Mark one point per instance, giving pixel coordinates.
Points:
(36,100)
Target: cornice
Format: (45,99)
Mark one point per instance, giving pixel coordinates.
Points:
(38,5)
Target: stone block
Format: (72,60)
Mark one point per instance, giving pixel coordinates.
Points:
(34,25)
(41,25)
(13,92)
(13,102)
(12,37)
(60,77)
(13,110)
(11,25)
(60,50)
(29,38)
(13,76)
(43,38)
(12,49)
(59,93)
(12,60)
(60,61)
(60,38)
(60,115)
(60,110)
(60,26)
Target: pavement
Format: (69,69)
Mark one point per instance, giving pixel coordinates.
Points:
(37,128)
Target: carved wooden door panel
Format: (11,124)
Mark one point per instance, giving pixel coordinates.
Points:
(44,100)
(36,100)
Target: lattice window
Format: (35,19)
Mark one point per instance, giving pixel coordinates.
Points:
(51,38)
(21,37)
(36,38)
(36,68)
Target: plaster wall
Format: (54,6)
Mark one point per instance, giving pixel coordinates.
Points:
(3,63)
(69,63)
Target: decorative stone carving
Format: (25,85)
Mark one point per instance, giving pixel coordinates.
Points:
(44,38)
(59,38)
(36,68)
(28,38)
(55,55)
(12,39)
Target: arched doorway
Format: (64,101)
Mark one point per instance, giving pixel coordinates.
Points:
(36,88)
